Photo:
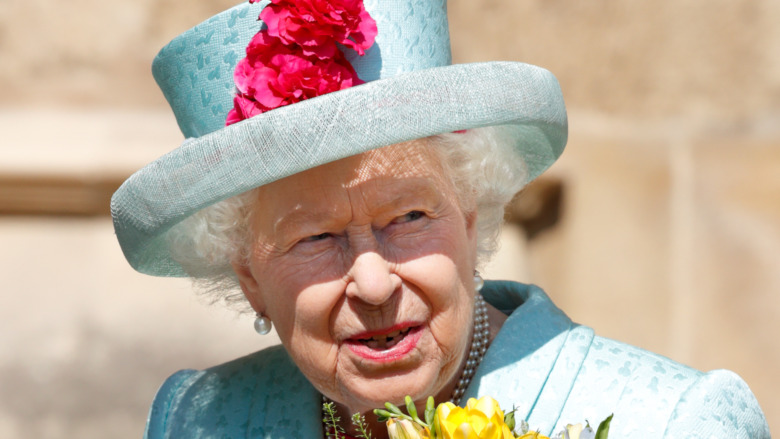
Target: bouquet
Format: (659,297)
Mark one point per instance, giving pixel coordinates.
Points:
(479,419)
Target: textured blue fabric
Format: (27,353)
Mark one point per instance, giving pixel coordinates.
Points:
(554,371)
(195,71)
(412,92)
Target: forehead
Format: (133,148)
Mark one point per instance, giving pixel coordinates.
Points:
(410,162)
(383,174)
(407,160)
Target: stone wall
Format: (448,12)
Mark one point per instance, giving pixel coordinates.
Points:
(88,52)
(644,59)
(669,234)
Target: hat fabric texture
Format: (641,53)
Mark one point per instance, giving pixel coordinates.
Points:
(411,91)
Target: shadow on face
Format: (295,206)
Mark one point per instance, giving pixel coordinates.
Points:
(365,265)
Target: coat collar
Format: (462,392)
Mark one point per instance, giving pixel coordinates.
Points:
(533,362)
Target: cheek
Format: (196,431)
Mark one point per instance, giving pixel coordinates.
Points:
(307,333)
(303,325)
(446,289)
(298,312)
(443,275)
(441,260)
(298,298)
(446,236)
(299,269)
(295,286)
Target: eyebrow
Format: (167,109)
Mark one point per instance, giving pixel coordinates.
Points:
(413,192)
(414,189)
(303,217)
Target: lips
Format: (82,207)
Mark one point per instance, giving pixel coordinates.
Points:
(385,345)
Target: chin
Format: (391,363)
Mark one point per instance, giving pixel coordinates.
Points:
(370,393)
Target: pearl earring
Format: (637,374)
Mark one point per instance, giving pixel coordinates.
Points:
(478,281)
(263,324)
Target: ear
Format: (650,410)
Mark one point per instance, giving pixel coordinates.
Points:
(471,232)
(249,286)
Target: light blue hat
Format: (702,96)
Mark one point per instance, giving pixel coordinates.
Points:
(412,91)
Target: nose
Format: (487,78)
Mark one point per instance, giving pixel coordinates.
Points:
(371,279)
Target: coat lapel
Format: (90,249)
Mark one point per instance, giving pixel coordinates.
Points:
(533,362)
(560,381)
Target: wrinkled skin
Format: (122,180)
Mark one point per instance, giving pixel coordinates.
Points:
(366,243)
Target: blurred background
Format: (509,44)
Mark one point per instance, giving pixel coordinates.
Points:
(660,226)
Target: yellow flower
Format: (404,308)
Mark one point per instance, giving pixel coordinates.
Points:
(533,435)
(406,429)
(573,431)
(480,419)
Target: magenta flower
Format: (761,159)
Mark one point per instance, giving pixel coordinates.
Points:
(296,57)
(316,25)
(274,75)
(244,107)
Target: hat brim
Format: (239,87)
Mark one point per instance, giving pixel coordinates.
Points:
(291,139)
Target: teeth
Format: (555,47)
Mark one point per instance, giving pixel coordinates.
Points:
(384,341)
(373,344)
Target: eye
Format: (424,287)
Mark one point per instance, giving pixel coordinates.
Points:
(409,217)
(314,238)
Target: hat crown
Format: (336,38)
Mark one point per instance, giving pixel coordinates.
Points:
(195,70)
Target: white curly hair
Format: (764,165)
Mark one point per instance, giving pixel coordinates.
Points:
(482,163)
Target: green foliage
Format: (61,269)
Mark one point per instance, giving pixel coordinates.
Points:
(391,411)
(430,411)
(603,431)
(332,420)
(509,419)
(359,421)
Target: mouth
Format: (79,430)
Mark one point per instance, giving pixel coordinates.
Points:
(384,341)
(385,345)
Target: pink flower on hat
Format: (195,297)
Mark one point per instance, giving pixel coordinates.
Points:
(316,25)
(296,57)
(274,75)
(244,107)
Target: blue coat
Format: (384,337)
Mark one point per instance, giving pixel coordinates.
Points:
(554,371)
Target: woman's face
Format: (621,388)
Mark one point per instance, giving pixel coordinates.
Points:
(365,266)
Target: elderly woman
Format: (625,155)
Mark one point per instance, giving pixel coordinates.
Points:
(359,184)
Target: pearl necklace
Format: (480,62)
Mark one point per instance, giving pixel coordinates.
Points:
(479,343)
